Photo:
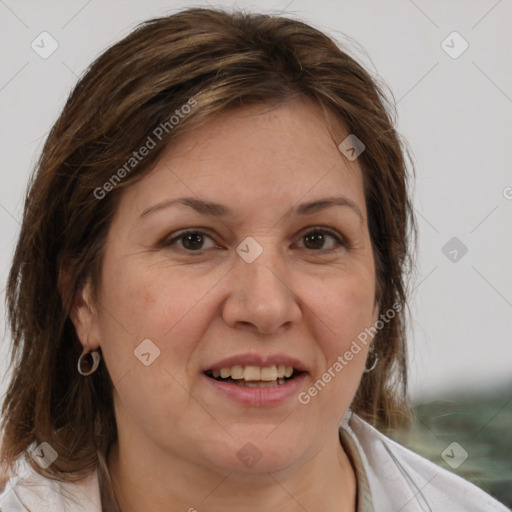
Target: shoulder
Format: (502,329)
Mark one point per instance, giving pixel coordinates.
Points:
(31,492)
(400,479)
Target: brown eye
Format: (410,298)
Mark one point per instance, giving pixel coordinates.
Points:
(317,238)
(314,240)
(191,241)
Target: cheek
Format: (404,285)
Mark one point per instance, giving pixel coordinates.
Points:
(146,301)
(141,304)
(345,307)
(154,302)
(344,310)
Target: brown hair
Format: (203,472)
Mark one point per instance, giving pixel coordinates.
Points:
(222,60)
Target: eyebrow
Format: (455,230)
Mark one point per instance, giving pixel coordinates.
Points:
(213,209)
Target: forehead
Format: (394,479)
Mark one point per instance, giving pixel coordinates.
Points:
(254,158)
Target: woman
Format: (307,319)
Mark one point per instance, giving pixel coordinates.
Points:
(208,291)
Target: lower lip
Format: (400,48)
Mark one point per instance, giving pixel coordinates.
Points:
(271,395)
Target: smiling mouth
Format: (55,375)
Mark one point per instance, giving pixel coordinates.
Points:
(254,376)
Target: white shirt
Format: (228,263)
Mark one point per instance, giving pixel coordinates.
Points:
(390,478)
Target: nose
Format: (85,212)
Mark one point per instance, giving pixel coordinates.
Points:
(261,296)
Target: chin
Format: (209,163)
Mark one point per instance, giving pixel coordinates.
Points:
(259,452)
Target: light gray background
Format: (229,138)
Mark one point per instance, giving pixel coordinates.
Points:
(455,113)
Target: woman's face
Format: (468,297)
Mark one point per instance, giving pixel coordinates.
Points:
(265,283)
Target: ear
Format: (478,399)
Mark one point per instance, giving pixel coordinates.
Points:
(84,316)
(83,311)
(376,312)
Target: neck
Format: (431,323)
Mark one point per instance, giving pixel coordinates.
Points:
(165,483)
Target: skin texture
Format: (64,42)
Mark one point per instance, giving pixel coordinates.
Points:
(178,436)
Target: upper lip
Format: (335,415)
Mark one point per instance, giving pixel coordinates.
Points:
(261,360)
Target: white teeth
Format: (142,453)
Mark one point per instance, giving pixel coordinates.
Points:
(237,372)
(269,373)
(254,373)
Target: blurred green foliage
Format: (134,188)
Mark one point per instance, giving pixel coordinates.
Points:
(481,424)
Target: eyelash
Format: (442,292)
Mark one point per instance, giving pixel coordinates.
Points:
(339,240)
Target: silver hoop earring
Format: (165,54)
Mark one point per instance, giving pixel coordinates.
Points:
(88,362)
(373,358)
